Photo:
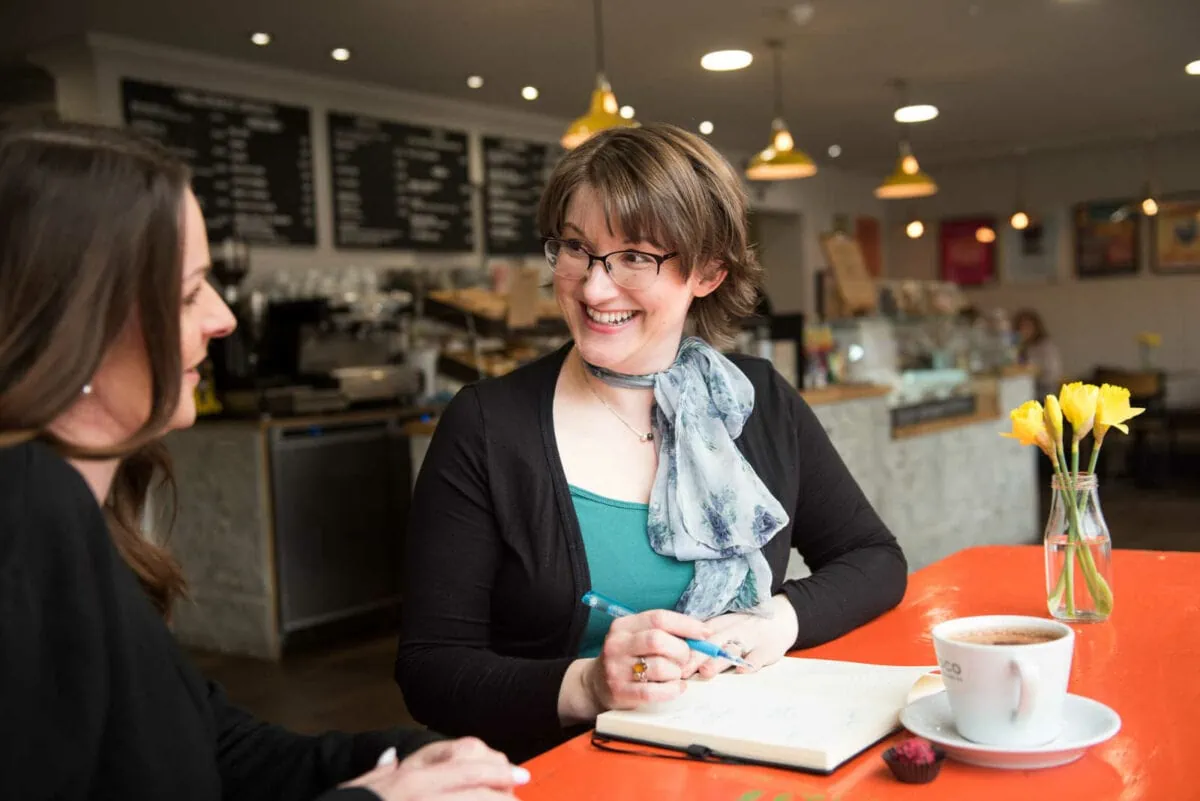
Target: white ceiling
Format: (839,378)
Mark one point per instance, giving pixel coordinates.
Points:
(1006,74)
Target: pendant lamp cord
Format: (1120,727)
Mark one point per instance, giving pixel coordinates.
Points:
(777,46)
(599,37)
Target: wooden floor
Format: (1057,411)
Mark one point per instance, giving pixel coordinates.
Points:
(351,688)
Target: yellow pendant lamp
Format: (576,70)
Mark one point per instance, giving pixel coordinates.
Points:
(780,161)
(603,112)
(907,181)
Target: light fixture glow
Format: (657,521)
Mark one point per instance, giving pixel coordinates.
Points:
(910,165)
(726,60)
(1150,207)
(1193,68)
(907,181)
(627,112)
(835,151)
(706,127)
(340,54)
(475,81)
(1020,221)
(261,39)
(985,235)
(529,93)
(914,229)
(922,112)
(602,114)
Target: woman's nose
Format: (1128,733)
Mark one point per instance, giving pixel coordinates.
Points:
(598,285)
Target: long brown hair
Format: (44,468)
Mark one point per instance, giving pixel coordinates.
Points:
(90,240)
(663,184)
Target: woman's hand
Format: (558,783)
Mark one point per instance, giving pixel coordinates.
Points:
(455,770)
(643,659)
(760,640)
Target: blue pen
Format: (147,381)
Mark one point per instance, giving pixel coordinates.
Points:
(613,609)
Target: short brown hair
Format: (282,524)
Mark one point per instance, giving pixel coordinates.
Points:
(90,239)
(661,184)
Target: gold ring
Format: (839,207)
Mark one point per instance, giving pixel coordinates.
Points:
(641,670)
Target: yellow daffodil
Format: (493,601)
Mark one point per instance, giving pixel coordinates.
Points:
(1029,427)
(1078,401)
(1150,339)
(1054,420)
(1113,410)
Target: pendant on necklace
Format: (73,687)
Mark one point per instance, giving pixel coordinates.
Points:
(646,437)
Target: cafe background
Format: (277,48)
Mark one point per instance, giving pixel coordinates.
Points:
(386,181)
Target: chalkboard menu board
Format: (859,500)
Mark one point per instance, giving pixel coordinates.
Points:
(515,173)
(399,186)
(251,160)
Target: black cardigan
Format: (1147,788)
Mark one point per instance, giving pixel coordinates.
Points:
(96,699)
(495,563)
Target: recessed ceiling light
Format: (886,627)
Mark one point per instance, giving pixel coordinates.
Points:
(261,39)
(726,60)
(626,112)
(706,127)
(919,113)
(530,93)
(835,151)
(1193,68)
(475,81)
(340,54)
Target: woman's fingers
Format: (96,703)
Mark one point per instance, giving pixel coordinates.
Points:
(674,623)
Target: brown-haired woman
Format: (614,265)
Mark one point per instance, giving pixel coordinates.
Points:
(105,312)
(1036,349)
(636,461)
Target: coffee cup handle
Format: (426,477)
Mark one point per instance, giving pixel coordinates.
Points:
(1030,682)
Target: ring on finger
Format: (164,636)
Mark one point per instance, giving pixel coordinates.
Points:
(734,647)
(641,670)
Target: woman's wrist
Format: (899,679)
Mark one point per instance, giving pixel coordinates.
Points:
(786,619)
(577,699)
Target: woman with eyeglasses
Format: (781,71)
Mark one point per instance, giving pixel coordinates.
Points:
(637,462)
(105,313)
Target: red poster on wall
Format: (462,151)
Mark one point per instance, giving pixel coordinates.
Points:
(968,250)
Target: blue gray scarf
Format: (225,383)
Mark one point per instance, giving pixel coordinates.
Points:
(707,505)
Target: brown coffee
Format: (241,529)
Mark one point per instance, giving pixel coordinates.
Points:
(1007,636)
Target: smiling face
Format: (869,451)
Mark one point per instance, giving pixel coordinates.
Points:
(624,330)
(121,387)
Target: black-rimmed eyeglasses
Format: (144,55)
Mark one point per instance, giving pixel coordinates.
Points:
(630,269)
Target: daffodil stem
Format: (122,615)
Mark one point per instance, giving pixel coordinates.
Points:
(1096,585)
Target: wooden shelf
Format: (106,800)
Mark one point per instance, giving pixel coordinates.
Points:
(839,393)
(947,424)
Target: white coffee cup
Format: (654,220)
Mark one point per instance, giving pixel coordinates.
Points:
(1005,694)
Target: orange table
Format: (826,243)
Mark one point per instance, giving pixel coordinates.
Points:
(1144,663)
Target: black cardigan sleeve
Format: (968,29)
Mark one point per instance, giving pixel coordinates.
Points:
(451,677)
(263,762)
(858,569)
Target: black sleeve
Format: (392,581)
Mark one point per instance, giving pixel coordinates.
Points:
(452,680)
(55,675)
(263,762)
(858,569)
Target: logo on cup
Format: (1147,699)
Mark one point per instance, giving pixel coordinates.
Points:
(951,671)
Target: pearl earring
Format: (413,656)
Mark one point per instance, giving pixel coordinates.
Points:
(87,389)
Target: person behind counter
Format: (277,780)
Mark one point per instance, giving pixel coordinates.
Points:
(636,461)
(105,312)
(1036,349)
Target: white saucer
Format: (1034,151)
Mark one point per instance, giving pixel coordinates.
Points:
(1088,723)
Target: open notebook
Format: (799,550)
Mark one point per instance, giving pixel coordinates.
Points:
(804,714)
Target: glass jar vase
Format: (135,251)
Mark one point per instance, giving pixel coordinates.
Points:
(1078,552)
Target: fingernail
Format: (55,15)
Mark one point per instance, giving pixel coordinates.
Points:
(520,776)
(388,757)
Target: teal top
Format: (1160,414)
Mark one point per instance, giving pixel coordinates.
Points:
(622,564)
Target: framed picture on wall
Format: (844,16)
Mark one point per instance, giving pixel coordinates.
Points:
(968,250)
(1175,234)
(1030,256)
(1106,238)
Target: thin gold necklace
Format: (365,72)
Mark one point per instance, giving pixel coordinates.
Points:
(647,437)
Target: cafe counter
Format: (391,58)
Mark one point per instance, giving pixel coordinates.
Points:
(292,529)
